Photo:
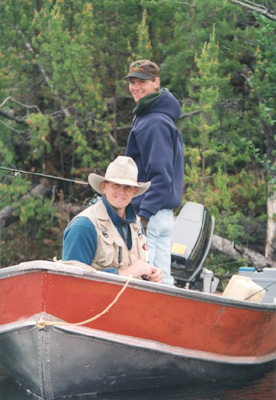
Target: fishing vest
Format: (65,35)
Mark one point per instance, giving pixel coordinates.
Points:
(112,250)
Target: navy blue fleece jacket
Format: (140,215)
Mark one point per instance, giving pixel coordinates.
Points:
(156,146)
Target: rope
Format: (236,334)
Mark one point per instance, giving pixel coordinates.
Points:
(42,322)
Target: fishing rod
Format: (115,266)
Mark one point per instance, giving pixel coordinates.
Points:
(19,171)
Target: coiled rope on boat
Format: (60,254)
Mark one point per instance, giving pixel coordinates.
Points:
(42,323)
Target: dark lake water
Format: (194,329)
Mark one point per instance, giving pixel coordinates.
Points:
(261,389)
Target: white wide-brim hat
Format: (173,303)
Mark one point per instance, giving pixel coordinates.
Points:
(123,170)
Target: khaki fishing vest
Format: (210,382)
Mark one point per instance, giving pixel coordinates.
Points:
(111,250)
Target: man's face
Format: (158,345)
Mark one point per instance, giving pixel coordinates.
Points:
(140,88)
(119,196)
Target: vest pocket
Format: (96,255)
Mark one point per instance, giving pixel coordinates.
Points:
(109,251)
(105,250)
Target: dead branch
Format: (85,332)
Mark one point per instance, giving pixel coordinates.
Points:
(19,120)
(260,9)
(189,114)
(10,114)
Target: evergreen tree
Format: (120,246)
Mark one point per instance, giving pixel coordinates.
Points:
(65,109)
(144,47)
(206,160)
(262,83)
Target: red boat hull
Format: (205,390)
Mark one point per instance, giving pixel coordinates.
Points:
(203,330)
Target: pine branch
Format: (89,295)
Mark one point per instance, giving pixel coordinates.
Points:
(44,73)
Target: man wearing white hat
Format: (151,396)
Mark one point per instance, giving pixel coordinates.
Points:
(108,235)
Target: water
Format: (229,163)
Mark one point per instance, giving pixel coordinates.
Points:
(261,389)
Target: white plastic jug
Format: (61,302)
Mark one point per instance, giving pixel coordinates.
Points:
(243,288)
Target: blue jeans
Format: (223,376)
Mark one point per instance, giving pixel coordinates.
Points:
(159,232)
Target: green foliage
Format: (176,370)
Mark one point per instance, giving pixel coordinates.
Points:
(206,90)
(144,47)
(223,267)
(6,152)
(36,211)
(263,87)
(39,130)
(66,49)
(65,110)
(214,152)
(12,188)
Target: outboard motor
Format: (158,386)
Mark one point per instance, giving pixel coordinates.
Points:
(191,242)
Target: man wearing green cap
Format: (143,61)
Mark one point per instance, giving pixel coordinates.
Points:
(156,146)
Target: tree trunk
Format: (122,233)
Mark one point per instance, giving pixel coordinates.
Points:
(270,247)
(237,252)
(8,215)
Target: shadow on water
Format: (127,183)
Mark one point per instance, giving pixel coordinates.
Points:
(261,389)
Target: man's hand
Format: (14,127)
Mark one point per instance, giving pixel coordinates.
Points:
(141,269)
(144,222)
(155,276)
